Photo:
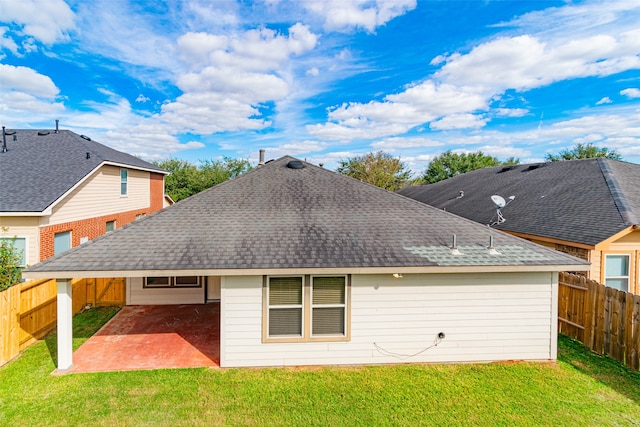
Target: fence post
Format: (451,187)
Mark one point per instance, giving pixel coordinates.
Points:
(9,323)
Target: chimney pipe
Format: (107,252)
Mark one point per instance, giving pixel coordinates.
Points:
(4,141)
(261,162)
(57,121)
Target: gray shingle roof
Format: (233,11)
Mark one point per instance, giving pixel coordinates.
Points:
(38,169)
(583,201)
(276,217)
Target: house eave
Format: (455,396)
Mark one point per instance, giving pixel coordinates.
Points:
(45,212)
(289,271)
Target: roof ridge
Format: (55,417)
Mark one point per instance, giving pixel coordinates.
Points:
(618,196)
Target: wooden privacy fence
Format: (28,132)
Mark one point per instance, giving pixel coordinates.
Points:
(605,319)
(28,311)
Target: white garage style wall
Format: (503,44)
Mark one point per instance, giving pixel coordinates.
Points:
(484,317)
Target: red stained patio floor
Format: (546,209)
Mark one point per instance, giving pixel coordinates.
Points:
(154,337)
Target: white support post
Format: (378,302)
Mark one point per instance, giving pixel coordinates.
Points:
(65,325)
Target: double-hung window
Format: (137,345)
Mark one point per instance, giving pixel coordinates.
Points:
(306,308)
(616,271)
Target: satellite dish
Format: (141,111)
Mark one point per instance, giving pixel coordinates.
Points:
(499,201)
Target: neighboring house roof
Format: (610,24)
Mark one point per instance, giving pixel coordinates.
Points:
(582,201)
(40,166)
(289,214)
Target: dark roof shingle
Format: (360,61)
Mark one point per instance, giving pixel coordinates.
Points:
(277,217)
(583,201)
(37,169)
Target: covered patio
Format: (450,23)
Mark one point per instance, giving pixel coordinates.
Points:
(154,337)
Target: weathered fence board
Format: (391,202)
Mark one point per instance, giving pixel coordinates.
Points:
(28,311)
(605,319)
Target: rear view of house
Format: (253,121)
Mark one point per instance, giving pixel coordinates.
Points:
(61,189)
(588,208)
(311,267)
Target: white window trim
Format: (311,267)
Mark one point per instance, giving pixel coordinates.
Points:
(628,276)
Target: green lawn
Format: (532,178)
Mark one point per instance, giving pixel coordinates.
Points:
(580,390)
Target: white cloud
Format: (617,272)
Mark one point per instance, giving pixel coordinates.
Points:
(605,100)
(7,42)
(631,93)
(459,121)
(397,143)
(296,148)
(313,72)
(526,62)
(347,14)
(142,98)
(510,112)
(236,75)
(28,80)
(48,21)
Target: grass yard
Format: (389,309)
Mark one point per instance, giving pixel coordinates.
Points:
(582,389)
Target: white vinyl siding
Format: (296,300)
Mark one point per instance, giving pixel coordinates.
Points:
(485,317)
(137,294)
(99,195)
(27,228)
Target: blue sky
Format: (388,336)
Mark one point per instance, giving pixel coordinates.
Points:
(326,80)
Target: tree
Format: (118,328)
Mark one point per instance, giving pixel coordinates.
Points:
(584,151)
(380,169)
(9,263)
(450,164)
(187,179)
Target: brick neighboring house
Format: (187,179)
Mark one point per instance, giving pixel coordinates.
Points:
(588,208)
(60,189)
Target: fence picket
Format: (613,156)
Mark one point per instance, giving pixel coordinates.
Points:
(28,311)
(608,319)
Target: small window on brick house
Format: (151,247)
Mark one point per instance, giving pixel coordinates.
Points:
(61,242)
(110,226)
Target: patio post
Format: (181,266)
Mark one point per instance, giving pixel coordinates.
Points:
(65,325)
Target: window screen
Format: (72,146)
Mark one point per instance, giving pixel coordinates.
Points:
(285,306)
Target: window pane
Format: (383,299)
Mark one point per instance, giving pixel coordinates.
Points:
(187,281)
(285,322)
(328,290)
(285,291)
(111,225)
(123,182)
(158,281)
(61,242)
(328,321)
(617,265)
(622,284)
(19,245)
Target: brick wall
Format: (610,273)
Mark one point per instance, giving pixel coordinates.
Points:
(94,227)
(91,228)
(156,185)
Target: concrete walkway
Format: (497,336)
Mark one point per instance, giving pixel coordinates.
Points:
(154,337)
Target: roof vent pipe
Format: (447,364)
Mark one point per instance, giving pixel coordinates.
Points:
(261,161)
(57,121)
(4,140)
(454,246)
